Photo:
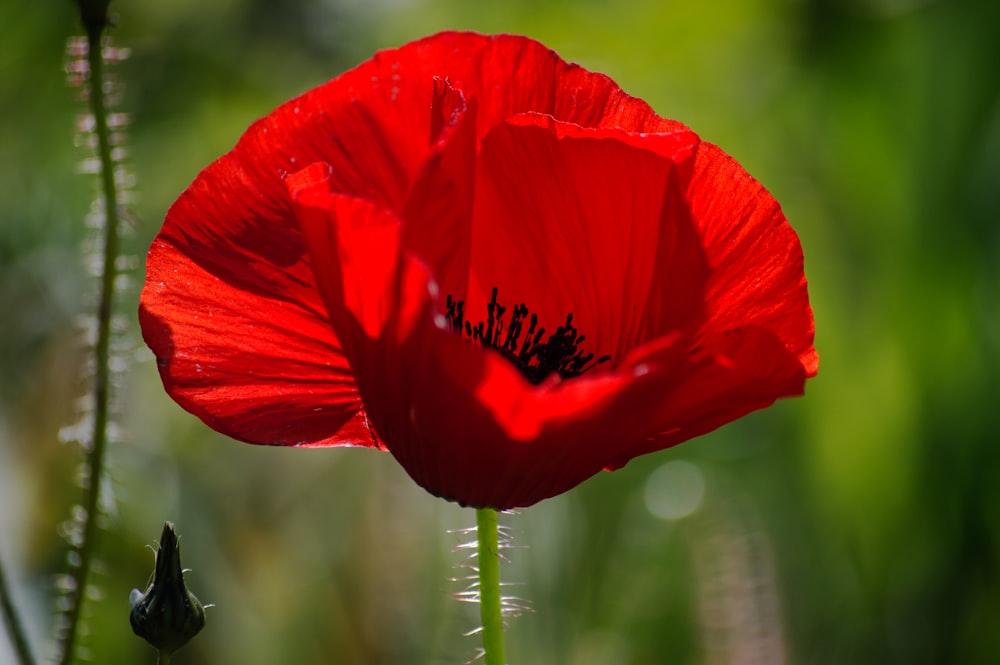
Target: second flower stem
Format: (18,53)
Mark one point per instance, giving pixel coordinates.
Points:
(490,609)
(102,372)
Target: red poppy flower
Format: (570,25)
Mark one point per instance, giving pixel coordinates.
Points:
(494,264)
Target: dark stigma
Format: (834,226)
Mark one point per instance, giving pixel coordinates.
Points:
(536,359)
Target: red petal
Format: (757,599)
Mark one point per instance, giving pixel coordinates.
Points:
(240,335)
(477,432)
(482,435)
(438,210)
(590,222)
(373,293)
(356,250)
(544,83)
(755,255)
(510,74)
(730,375)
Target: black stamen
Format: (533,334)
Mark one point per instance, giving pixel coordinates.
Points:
(536,359)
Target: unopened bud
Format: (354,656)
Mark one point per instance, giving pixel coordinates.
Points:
(166,615)
(94,15)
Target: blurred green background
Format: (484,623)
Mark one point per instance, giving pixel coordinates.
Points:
(860,524)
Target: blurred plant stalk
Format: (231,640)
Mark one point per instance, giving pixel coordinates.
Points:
(15,628)
(94,15)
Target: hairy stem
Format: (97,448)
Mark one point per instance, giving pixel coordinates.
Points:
(489,586)
(13,622)
(102,378)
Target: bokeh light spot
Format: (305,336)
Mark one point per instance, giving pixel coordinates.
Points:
(675,490)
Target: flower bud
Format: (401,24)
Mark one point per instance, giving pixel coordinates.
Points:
(94,15)
(166,615)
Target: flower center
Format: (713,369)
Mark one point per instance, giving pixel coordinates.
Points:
(536,359)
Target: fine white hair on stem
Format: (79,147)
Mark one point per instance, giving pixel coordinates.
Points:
(510,606)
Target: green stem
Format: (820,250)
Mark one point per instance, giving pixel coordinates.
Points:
(102,379)
(13,621)
(162,658)
(489,586)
